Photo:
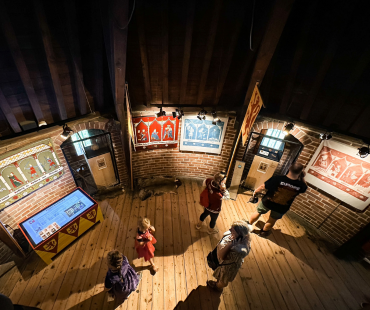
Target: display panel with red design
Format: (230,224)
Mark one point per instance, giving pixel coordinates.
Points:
(156,132)
(336,169)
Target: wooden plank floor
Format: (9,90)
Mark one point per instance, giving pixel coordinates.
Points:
(291,270)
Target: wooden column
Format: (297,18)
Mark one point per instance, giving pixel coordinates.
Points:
(7,110)
(19,62)
(74,46)
(165,51)
(187,51)
(143,53)
(209,51)
(120,18)
(269,42)
(46,38)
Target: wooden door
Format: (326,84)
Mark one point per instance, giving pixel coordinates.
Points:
(260,171)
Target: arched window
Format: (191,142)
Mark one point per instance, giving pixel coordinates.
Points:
(83,134)
(268,140)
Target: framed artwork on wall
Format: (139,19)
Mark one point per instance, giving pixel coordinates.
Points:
(202,135)
(335,169)
(27,169)
(156,132)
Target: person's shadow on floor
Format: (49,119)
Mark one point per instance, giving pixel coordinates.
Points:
(193,300)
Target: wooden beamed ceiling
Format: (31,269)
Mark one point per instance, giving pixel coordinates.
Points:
(57,59)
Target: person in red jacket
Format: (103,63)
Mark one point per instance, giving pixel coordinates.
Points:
(216,190)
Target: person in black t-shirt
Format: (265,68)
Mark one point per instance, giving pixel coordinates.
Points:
(281,192)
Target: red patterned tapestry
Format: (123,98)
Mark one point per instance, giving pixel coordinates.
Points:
(156,132)
(336,169)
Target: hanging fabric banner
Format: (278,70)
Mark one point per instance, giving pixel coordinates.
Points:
(254,108)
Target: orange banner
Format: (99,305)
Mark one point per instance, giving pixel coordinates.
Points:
(254,108)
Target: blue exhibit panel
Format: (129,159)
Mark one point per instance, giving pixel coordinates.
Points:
(51,219)
(200,144)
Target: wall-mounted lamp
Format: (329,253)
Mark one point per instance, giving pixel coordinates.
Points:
(66,131)
(326,136)
(363,151)
(161,112)
(288,127)
(202,114)
(42,123)
(216,119)
(179,113)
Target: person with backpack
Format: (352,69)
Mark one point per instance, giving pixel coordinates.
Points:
(211,200)
(281,192)
(121,279)
(228,256)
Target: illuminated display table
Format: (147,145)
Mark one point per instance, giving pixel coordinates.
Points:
(50,230)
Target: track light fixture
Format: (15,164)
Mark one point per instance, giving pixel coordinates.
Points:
(161,112)
(216,119)
(202,114)
(288,127)
(179,113)
(363,151)
(66,131)
(326,136)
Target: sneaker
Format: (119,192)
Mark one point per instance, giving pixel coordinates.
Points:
(212,231)
(265,233)
(199,225)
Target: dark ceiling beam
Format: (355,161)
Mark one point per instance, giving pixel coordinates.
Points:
(208,56)
(344,91)
(165,51)
(74,46)
(229,56)
(9,115)
(19,62)
(143,53)
(275,26)
(301,45)
(187,51)
(330,53)
(46,38)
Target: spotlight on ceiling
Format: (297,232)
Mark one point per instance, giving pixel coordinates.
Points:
(326,136)
(161,112)
(288,127)
(216,119)
(363,151)
(179,113)
(202,114)
(66,131)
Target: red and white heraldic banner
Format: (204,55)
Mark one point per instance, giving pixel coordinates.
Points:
(336,169)
(254,108)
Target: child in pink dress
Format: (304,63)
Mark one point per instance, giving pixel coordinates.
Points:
(144,241)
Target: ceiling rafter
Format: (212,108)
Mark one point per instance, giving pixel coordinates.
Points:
(74,46)
(187,50)
(20,63)
(229,57)
(275,26)
(46,38)
(143,53)
(9,115)
(303,38)
(208,56)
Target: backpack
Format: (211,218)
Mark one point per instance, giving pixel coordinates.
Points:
(204,198)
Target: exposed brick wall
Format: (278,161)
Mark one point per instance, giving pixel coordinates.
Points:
(192,164)
(57,189)
(315,205)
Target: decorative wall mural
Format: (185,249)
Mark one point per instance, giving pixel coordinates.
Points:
(156,132)
(336,169)
(202,135)
(27,169)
